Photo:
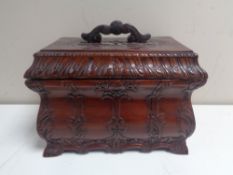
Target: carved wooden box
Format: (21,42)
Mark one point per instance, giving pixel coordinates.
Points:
(114,95)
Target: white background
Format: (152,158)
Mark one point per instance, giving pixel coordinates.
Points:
(206,26)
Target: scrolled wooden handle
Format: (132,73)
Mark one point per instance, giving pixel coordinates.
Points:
(116,28)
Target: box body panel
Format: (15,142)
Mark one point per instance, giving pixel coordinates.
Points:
(115,97)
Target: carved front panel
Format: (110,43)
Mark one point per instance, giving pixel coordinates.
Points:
(114,115)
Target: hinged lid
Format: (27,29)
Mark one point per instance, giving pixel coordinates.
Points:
(156,45)
(141,57)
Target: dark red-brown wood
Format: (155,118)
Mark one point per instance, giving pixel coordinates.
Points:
(115,96)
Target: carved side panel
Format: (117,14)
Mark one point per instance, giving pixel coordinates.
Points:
(185,115)
(77,120)
(44,119)
(155,122)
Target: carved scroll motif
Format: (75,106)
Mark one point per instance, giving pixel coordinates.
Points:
(77,120)
(141,67)
(117,124)
(155,122)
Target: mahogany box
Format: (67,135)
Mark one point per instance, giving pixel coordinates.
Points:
(115,94)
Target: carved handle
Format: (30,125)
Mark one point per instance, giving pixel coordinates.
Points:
(116,28)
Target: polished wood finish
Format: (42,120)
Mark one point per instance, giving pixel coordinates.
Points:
(115,96)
